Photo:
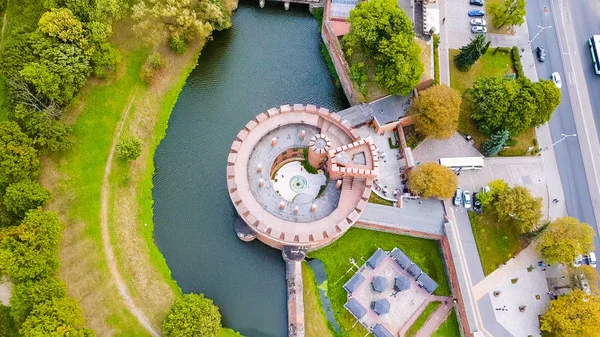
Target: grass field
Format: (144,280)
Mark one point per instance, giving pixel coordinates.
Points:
(361,244)
(418,324)
(448,328)
(315,322)
(497,242)
(489,64)
(374,198)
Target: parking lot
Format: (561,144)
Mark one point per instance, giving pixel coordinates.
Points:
(458,23)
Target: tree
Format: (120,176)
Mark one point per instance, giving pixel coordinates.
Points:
(23,196)
(30,250)
(470,53)
(587,272)
(496,187)
(63,25)
(572,315)
(18,159)
(508,12)
(492,146)
(56,318)
(436,111)
(47,132)
(192,315)
(519,207)
(564,239)
(375,21)
(184,20)
(129,148)
(432,180)
(547,97)
(399,68)
(28,294)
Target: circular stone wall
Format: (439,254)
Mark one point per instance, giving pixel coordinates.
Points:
(293,217)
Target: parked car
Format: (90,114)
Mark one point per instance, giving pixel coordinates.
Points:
(476,2)
(578,261)
(541,54)
(458,197)
(585,286)
(476,203)
(485,189)
(467,199)
(478,29)
(476,13)
(556,79)
(592,259)
(477,22)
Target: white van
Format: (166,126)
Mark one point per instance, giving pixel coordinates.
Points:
(592,259)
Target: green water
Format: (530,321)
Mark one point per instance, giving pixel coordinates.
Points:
(268,58)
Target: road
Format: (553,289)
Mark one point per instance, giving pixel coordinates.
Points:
(568,153)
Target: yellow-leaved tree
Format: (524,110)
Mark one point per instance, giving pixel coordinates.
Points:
(572,315)
(431,180)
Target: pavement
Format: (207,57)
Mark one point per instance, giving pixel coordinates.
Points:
(424,215)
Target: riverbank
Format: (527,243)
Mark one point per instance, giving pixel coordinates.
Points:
(75,178)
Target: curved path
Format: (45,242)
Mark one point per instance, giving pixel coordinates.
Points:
(108,249)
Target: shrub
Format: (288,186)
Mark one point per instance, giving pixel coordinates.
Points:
(147,74)
(25,195)
(516,58)
(192,315)
(178,46)
(104,60)
(156,61)
(129,148)
(436,59)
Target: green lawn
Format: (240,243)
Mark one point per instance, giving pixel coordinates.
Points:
(360,244)
(448,328)
(489,64)
(497,242)
(315,322)
(418,324)
(374,198)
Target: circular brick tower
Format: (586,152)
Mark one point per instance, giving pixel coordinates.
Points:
(317,150)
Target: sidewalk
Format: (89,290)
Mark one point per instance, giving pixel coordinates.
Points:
(436,318)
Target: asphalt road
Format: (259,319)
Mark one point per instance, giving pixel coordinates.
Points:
(568,153)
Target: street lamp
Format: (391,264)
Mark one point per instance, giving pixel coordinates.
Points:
(560,140)
(536,35)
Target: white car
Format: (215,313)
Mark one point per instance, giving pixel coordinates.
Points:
(592,259)
(578,261)
(478,29)
(556,79)
(477,22)
(467,199)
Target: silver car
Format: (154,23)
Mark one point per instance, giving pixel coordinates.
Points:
(556,79)
(478,29)
(467,199)
(458,197)
(477,22)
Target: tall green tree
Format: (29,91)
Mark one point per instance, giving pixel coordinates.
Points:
(572,315)
(492,146)
(436,111)
(59,317)
(517,206)
(399,68)
(26,295)
(375,21)
(18,159)
(46,131)
(432,180)
(470,53)
(564,239)
(547,98)
(508,12)
(192,315)
(30,250)
(23,196)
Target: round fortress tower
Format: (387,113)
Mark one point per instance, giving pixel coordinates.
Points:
(317,150)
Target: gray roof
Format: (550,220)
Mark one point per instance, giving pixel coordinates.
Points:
(380,331)
(401,283)
(358,114)
(390,108)
(381,306)
(414,270)
(355,308)
(342,158)
(376,258)
(427,282)
(354,282)
(379,284)
(401,258)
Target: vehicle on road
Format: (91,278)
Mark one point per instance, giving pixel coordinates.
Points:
(476,2)
(477,13)
(458,197)
(541,54)
(467,199)
(477,22)
(592,259)
(594,43)
(578,261)
(556,79)
(476,203)
(478,29)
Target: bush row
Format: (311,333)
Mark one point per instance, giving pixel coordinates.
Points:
(516,58)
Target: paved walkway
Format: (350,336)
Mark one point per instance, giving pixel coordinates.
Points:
(425,215)
(437,317)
